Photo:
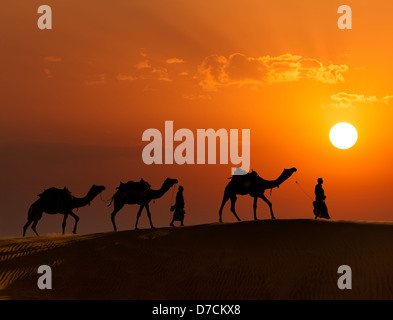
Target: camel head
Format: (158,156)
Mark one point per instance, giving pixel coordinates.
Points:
(286,174)
(96,190)
(170,182)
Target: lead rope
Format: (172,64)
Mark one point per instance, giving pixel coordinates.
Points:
(103,200)
(300,187)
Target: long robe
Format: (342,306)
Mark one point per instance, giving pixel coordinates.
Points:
(178,215)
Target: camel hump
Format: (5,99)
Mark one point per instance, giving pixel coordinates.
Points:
(252,174)
(246,181)
(55,193)
(141,185)
(121,186)
(245,176)
(56,197)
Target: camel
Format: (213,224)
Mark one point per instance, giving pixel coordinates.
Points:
(53,201)
(138,193)
(253,185)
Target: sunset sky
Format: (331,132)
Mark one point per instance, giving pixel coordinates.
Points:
(75,101)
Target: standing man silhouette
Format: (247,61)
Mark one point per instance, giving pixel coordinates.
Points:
(320,208)
(178,207)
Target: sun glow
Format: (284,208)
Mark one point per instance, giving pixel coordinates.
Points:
(343,135)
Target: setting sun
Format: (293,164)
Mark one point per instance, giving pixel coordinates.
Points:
(343,135)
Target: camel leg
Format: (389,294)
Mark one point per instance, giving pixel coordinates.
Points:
(233,201)
(64,221)
(138,215)
(149,215)
(76,221)
(224,201)
(28,223)
(255,208)
(116,209)
(173,220)
(34,214)
(269,204)
(33,227)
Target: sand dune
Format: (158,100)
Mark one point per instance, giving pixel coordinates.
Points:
(282,259)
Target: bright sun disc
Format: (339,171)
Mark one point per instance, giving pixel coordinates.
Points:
(343,135)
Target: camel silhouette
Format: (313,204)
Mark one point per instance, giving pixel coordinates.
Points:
(253,185)
(53,201)
(138,193)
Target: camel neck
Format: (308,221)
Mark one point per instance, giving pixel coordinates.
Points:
(275,183)
(81,202)
(155,194)
(270,184)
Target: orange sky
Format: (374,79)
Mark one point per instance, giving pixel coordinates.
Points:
(75,101)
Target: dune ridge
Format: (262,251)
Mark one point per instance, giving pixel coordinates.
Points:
(266,259)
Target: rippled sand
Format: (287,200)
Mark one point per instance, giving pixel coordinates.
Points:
(281,259)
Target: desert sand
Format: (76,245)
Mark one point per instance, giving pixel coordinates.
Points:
(267,259)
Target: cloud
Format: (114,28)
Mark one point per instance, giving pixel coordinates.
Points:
(238,69)
(52,59)
(174,60)
(161,74)
(122,77)
(47,70)
(345,100)
(48,73)
(142,52)
(387,99)
(143,65)
(148,71)
(314,69)
(192,96)
(101,79)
